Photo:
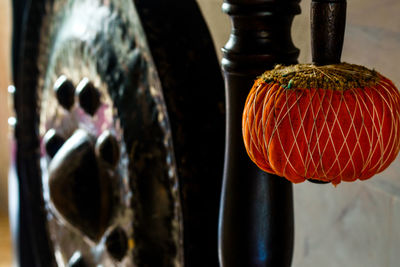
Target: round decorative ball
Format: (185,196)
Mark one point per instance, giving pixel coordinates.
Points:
(329,123)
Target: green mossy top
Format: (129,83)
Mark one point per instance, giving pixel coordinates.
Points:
(338,77)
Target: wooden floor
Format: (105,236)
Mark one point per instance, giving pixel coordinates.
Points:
(5,242)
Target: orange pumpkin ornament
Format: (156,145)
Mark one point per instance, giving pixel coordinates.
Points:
(330,123)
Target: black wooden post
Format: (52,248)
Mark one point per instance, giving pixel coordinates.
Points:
(256,219)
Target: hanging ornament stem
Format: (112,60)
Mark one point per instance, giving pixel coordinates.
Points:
(328,21)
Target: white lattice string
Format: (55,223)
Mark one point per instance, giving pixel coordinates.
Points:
(378,131)
(384,151)
(379,163)
(308,156)
(275,131)
(362,127)
(379,105)
(318,133)
(246,128)
(358,135)
(350,128)
(370,135)
(270,94)
(395,108)
(276,124)
(266,119)
(394,126)
(330,138)
(294,134)
(380,141)
(252,103)
(259,113)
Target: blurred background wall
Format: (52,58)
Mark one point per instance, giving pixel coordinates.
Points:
(5,28)
(352,225)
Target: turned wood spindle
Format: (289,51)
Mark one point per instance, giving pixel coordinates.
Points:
(256,217)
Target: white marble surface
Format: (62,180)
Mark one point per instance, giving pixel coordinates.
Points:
(394,245)
(350,225)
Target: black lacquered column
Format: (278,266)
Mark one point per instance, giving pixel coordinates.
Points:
(256,219)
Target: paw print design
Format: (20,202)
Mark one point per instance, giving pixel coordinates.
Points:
(81,171)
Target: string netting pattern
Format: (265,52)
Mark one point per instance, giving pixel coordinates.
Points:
(323,134)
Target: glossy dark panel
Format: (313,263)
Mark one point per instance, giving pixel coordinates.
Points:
(117,243)
(65,92)
(52,142)
(107,148)
(89,96)
(77,189)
